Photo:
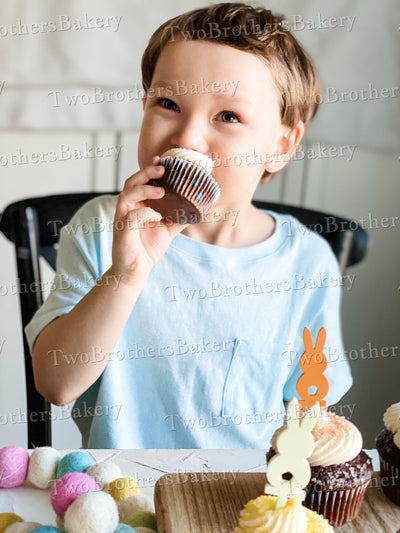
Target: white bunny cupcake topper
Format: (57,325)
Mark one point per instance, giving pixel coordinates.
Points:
(294,444)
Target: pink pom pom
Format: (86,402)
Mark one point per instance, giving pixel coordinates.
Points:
(14,462)
(68,488)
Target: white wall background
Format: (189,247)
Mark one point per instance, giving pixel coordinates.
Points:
(359,64)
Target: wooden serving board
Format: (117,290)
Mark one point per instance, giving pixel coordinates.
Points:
(210,502)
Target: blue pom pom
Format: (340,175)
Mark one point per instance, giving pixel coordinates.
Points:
(47,529)
(124,528)
(74,462)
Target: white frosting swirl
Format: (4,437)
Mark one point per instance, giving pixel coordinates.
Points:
(336,440)
(391,419)
(196,158)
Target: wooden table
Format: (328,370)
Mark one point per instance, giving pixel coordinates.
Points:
(204,503)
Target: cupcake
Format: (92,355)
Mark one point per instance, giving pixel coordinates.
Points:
(260,516)
(388,446)
(190,190)
(340,470)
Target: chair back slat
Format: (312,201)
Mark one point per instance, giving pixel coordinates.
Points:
(27,248)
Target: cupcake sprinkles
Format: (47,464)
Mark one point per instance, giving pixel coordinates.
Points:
(86,496)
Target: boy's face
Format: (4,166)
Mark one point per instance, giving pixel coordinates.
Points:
(222,102)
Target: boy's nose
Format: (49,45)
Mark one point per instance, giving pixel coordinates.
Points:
(190,135)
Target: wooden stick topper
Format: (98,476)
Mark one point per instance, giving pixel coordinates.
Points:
(294,444)
(313,363)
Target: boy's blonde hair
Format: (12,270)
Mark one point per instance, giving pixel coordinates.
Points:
(255,30)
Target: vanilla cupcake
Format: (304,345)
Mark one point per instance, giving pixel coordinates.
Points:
(260,516)
(190,188)
(340,470)
(388,446)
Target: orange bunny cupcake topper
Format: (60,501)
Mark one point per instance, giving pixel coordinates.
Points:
(313,363)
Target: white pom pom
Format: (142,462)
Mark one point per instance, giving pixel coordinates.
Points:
(139,502)
(94,511)
(22,527)
(42,467)
(104,473)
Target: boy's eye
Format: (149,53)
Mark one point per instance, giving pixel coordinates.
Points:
(166,103)
(229,116)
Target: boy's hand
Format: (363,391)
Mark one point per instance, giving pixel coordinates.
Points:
(140,238)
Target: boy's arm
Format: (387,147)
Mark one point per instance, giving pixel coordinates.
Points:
(92,321)
(92,326)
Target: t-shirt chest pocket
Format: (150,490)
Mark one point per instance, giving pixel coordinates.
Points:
(254,376)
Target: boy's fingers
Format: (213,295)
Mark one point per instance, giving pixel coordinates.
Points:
(145,192)
(130,196)
(136,218)
(143,176)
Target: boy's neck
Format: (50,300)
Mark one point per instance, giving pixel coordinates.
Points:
(233,228)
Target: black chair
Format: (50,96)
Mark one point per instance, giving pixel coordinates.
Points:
(34,224)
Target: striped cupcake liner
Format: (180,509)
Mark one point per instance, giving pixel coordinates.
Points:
(190,182)
(337,506)
(390,481)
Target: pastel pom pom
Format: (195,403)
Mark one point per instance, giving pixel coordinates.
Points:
(104,473)
(142,519)
(139,502)
(124,528)
(47,529)
(74,462)
(14,462)
(43,467)
(92,512)
(122,487)
(6,519)
(22,527)
(68,488)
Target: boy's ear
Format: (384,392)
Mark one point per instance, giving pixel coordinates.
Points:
(285,148)
(144,100)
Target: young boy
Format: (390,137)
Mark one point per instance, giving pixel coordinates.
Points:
(191,337)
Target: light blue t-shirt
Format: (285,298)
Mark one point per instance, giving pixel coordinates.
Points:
(211,348)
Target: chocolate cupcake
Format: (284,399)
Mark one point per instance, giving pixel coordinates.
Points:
(388,446)
(190,190)
(340,470)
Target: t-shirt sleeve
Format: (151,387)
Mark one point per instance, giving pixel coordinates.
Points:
(323,311)
(84,254)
